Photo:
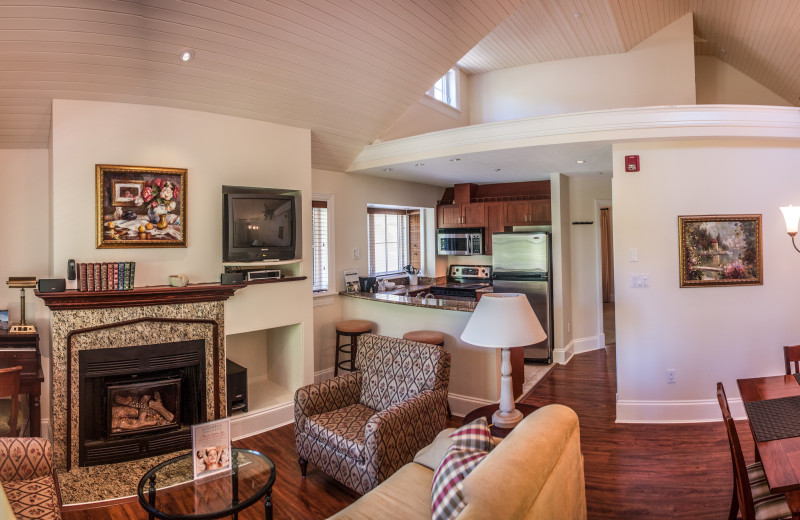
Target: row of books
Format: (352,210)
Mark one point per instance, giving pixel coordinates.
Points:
(106,276)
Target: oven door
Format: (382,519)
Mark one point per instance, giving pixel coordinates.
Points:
(453,243)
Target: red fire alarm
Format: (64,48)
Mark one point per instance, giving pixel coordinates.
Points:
(631,163)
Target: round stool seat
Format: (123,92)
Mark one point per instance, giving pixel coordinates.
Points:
(353,326)
(430,337)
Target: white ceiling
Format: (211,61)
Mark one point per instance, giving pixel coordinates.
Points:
(346,69)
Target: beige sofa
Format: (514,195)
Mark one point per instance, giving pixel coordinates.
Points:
(535,472)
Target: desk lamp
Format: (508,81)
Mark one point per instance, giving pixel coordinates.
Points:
(504,320)
(22,282)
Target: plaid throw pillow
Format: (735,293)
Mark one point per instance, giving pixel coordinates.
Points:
(471,443)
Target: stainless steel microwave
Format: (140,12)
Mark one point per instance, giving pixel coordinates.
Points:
(459,241)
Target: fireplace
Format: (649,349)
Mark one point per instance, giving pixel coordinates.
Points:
(139,401)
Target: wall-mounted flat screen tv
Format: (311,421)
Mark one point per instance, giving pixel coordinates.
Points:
(259,224)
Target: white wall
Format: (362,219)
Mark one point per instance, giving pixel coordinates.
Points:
(25,214)
(719,83)
(584,192)
(430,115)
(351,194)
(658,71)
(707,334)
(562,267)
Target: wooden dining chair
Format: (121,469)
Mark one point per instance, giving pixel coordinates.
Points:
(750,490)
(9,408)
(791,354)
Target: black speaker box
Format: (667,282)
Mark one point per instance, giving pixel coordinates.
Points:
(52,285)
(231,278)
(236,385)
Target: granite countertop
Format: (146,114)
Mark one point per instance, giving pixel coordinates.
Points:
(397,296)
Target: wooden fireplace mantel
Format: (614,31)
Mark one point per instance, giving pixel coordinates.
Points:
(138,297)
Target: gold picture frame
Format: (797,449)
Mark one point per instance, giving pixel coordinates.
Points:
(720,250)
(140,206)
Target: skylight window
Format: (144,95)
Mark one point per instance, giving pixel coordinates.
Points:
(446,89)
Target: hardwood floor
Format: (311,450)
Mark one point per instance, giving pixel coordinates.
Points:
(633,471)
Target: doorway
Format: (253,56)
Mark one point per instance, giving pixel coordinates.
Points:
(606,310)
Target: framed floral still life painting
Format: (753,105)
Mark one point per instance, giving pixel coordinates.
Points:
(140,206)
(720,250)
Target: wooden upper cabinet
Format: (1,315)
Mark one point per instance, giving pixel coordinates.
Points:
(460,215)
(448,215)
(472,215)
(527,212)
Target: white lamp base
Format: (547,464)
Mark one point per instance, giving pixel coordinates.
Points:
(506,419)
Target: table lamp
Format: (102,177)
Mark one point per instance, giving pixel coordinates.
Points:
(504,320)
(22,282)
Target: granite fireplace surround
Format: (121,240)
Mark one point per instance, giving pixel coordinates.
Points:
(74,330)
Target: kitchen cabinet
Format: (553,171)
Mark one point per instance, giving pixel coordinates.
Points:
(495,222)
(460,215)
(527,212)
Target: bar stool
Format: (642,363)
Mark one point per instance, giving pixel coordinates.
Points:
(351,329)
(431,337)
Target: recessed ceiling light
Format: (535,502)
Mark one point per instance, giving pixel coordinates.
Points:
(580,161)
(187,55)
(454,159)
(577,15)
(419,164)
(388,169)
(722,50)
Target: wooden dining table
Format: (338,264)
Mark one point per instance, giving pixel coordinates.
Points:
(780,458)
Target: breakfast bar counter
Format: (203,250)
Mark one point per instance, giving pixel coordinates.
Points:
(399,298)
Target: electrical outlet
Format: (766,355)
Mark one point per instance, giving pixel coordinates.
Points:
(671,378)
(634,254)
(356,253)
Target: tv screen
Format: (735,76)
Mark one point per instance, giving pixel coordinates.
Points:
(259,224)
(262,222)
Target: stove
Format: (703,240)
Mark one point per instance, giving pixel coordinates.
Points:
(463,281)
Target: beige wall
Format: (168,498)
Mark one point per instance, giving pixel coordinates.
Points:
(25,214)
(658,71)
(719,83)
(706,334)
(216,150)
(422,118)
(351,194)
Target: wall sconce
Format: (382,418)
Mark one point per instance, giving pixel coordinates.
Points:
(791,214)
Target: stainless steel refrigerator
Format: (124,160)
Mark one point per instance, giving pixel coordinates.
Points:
(521,263)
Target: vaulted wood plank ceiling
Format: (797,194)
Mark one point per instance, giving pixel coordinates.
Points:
(346,69)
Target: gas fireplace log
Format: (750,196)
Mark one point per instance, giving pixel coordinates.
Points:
(158,407)
(120,412)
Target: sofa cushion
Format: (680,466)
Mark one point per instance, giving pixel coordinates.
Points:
(431,455)
(406,494)
(471,443)
(33,499)
(341,430)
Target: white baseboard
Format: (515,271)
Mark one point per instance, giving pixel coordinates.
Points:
(702,410)
(461,405)
(252,423)
(577,346)
(323,375)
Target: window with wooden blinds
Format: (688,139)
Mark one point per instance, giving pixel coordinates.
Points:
(388,240)
(319,245)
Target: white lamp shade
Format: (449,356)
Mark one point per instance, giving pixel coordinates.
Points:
(791,214)
(503,320)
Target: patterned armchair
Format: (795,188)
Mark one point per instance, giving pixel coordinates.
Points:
(27,478)
(361,427)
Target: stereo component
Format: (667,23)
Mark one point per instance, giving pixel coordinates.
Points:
(267,274)
(231,278)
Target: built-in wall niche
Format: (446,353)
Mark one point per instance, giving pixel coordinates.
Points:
(273,358)
(288,268)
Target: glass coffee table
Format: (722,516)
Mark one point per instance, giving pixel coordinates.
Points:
(168,491)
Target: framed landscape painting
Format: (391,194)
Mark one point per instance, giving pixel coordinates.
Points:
(139,206)
(720,250)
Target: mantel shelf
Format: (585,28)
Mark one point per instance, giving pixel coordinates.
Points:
(138,296)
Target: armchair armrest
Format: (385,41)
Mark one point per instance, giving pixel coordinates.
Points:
(23,458)
(393,436)
(325,396)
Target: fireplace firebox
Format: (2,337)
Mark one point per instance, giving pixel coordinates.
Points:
(140,401)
